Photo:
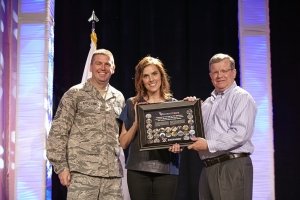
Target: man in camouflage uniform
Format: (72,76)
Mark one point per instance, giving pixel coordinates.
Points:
(83,142)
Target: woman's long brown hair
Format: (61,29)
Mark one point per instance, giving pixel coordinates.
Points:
(140,89)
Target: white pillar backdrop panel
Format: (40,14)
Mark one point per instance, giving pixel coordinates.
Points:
(255,76)
(34,68)
(49,100)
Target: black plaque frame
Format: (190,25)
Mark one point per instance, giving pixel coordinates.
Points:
(164,124)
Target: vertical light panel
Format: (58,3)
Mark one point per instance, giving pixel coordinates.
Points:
(33,97)
(256,78)
(49,100)
(8,63)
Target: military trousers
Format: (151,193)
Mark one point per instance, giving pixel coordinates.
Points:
(90,187)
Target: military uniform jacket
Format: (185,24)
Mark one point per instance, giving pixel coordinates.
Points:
(84,132)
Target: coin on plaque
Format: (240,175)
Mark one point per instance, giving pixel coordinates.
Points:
(156,140)
(149,126)
(189,111)
(180,133)
(168,129)
(174,129)
(190,121)
(162,135)
(190,116)
(149,136)
(192,132)
(156,130)
(174,134)
(186,137)
(168,134)
(185,127)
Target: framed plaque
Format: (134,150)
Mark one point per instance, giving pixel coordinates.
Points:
(164,124)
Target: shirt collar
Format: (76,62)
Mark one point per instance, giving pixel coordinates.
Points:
(215,93)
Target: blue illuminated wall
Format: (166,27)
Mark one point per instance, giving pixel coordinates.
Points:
(34,98)
(256,78)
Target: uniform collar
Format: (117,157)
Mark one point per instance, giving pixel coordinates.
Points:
(91,88)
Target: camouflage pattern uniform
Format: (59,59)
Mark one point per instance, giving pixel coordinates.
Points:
(84,134)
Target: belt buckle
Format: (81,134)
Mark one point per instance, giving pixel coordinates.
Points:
(210,161)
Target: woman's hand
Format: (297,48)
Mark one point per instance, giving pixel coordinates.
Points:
(175,148)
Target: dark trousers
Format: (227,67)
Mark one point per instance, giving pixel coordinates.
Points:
(228,180)
(151,186)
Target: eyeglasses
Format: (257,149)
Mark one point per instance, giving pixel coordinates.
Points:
(222,71)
